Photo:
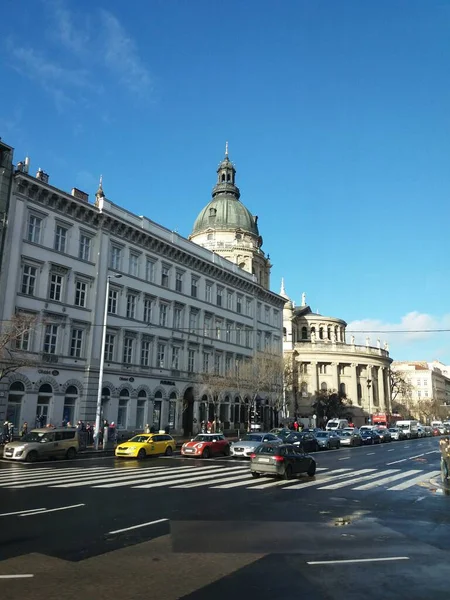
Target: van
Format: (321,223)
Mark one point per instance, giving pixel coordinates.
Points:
(44,443)
(410,429)
(335,424)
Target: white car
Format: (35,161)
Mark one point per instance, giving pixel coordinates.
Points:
(246,446)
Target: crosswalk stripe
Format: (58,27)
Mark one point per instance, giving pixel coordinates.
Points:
(120,479)
(202,477)
(320,480)
(57,474)
(212,481)
(406,484)
(204,471)
(32,474)
(284,482)
(352,481)
(384,480)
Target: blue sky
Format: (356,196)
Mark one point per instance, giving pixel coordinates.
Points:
(336,115)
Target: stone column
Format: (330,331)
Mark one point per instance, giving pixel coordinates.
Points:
(381,394)
(354,384)
(314,377)
(335,373)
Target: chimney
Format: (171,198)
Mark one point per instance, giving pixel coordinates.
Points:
(26,167)
(42,176)
(76,193)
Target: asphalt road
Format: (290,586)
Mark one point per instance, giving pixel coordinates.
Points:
(198,529)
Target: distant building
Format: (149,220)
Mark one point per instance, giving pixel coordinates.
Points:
(321,359)
(6,175)
(178,310)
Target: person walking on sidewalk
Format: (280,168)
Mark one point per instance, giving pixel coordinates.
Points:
(24,429)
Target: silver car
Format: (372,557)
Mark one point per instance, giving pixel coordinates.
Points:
(328,440)
(246,446)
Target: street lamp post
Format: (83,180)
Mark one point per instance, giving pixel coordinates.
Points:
(369,384)
(102,364)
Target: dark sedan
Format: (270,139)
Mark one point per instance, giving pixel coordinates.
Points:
(370,437)
(384,434)
(282,460)
(307,441)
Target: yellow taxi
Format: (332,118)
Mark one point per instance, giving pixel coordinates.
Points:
(146,444)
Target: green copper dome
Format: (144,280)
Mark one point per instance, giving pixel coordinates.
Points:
(225,211)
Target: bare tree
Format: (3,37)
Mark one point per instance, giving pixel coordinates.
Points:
(429,409)
(15,338)
(216,384)
(401,387)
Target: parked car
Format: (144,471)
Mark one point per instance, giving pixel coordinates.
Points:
(143,445)
(350,438)
(206,445)
(396,434)
(384,434)
(328,440)
(245,446)
(307,441)
(369,437)
(282,460)
(44,443)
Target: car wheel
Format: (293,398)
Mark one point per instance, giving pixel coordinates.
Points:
(71,453)
(226,452)
(141,454)
(206,453)
(32,456)
(287,472)
(328,445)
(256,475)
(312,469)
(169,451)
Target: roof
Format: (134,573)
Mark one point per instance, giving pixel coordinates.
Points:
(225,212)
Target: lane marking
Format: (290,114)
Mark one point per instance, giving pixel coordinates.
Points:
(136,526)
(355,560)
(49,510)
(168,483)
(374,484)
(432,452)
(391,450)
(417,456)
(370,453)
(17,576)
(346,458)
(406,484)
(20,512)
(347,482)
(395,462)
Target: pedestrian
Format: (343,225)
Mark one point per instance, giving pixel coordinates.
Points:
(24,429)
(209,426)
(296,425)
(10,431)
(203,427)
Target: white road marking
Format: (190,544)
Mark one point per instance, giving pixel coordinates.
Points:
(58,474)
(391,450)
(346,458)
(406,484)
(395,462)
(382,481)
(49,510)
(417,456)
(20,512)
(137,526)
(355,560)
(168,481)
(370,453)
(321,480)
(212,481)
(17,576)
(432,452)
(347,482)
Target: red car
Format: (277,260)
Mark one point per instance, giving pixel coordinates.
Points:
(206,445)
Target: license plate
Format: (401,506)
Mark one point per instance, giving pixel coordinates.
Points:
(264,460)
(189,450)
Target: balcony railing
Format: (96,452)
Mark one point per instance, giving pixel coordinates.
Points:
(340,347)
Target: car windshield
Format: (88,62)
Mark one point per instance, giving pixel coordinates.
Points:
(267,450)
(141,439)
(252,438)
(36,436)
(321,434)
(345,434)
(204,438)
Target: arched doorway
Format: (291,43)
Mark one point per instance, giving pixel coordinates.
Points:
(14,407)
(140,409)
(70,403)
(172,410)
(188,411)
(45,394)
(122,414)
(157,407)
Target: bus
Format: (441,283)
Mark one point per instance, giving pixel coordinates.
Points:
(384,419)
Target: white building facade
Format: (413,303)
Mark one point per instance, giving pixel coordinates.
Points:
(175,310)
(321,359)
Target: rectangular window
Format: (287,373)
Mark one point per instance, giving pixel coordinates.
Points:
(191,361)
(56,285)
(60,238)
(165,276)
(177,317)
(194,287)
(115,261)
(426,393)
(134,264)
(205,362)
(218,330)
(276,318)
(228,362)
(248,338)
(29,275)
(208,292)
(131,306)
(76,343)
(112,301)
(175,358)
(248,307)
(110,341)
(238,334)
(146,353)
(179,282)
(228,332)
(419,394)
(80,293)
(230,300)
(34,229)
(193,321)
(23,340)
(84,251)
(219,296)
(217,363)
(128,350)
(418,382)
(148,305)
(163,315)
(239,304)
(207,327)
(150,270)
(161,356)
(50,339)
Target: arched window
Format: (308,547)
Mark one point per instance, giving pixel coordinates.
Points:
(228,177)
(172,410)
(304,389)
(321,333)
(336,333)
(224,410)
(70,404)
(304,333)
(14,406)
(329,332)
(45,394)
(157,407)
(140,409)
(313,330)
(323,386)
(342,389)
(223,176)
(122,414)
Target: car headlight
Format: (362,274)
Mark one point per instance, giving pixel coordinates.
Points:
(200,445)
(18,452)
